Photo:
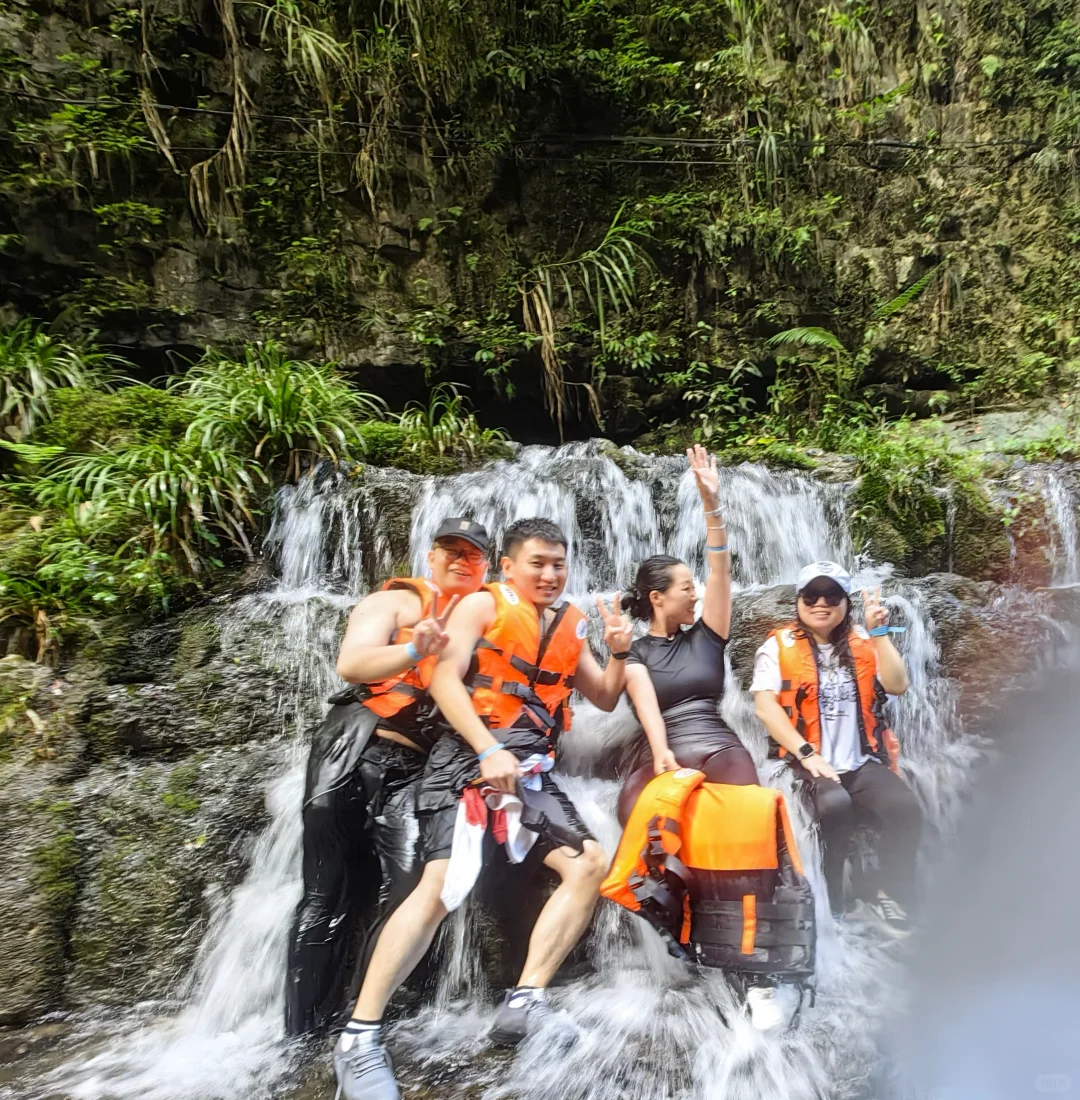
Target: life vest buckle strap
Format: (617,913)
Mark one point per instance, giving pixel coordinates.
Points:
(534,674)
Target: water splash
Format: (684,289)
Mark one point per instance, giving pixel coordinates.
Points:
(648,1030)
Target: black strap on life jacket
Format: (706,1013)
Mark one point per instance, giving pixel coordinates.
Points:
(662,889)
(785,924)
(363,691)
(357,693)
(532,704)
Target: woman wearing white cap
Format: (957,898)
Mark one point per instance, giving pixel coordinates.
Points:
(819,689)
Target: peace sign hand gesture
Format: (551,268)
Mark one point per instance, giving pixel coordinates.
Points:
(618,630)
(876,614)
(429,635)
(705,474)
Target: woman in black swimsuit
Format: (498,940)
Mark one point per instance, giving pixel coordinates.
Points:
(675,677)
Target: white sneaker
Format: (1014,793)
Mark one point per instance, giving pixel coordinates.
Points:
(766,1012)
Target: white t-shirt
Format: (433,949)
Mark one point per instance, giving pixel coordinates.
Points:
(840,742)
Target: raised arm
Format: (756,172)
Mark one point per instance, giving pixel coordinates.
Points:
(892,672)
(466,627)
(602,687)
(367,652)
(639,687)
(716,607)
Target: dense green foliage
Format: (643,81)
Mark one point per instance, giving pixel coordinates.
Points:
(610,205)
(132,495)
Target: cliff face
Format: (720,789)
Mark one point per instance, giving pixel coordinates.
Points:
(609,207)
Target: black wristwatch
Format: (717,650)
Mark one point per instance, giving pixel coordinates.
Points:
(806,750)
(621,656)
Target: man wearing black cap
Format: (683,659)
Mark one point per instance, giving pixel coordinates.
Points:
(359,823)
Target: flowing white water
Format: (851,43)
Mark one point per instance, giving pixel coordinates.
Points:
(648,1029)
(1061,504)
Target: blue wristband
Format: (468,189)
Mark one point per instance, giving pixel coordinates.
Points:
(413,653)
(482,756)
(881,631)
(717,549)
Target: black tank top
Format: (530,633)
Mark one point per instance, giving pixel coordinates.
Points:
(688,666)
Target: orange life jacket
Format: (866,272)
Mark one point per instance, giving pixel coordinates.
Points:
(799,693)
(716,868)
(389,697)
(520,676)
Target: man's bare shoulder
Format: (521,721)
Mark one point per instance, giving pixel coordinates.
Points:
(402,602)
(476,604)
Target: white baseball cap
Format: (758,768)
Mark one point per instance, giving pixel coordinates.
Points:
(828,569)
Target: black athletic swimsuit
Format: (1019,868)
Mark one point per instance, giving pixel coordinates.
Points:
(687,673)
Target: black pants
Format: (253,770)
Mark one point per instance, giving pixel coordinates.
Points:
(359,860)
(875,796)
(699,740)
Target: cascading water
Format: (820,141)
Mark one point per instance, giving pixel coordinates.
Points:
(649,1030)
(1061,506)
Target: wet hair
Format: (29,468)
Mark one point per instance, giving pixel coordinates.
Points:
(653,575)
(519,533)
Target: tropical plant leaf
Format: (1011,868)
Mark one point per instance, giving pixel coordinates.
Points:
(888,309)
(809,337)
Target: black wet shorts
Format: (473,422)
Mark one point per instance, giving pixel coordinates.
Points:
(452,766)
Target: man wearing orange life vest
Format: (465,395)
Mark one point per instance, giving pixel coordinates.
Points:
(365,762)
(502,683)
(819,689)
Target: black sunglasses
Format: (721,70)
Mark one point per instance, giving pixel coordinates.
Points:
(831,595)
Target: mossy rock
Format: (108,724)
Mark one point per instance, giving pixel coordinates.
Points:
(777,455)
(39,856)
(980,544)
(907,530)
(84,420)
(161,844)
(386,444)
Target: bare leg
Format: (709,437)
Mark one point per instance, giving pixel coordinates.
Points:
(567,912)
(407,935)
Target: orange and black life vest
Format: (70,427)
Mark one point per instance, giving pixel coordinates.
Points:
(391,697)
(716,868)
(520,675)
(799,693)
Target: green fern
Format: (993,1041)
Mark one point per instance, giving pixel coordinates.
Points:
(888,309)
(809,337)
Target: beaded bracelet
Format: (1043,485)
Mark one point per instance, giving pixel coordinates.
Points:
(482,756)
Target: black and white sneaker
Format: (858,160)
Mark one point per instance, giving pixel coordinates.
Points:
(363,1069)
(518,1016)
(882,915)
(524,1014)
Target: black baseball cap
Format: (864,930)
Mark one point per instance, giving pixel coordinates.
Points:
(457,527)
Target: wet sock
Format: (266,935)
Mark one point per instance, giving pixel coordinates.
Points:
(523,994)
(355,1028)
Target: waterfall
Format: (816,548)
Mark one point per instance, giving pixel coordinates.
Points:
(648,1030)
(1061,506)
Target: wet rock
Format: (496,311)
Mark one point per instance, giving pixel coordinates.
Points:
(753,616)
(992,638)
(173,688)
(161,843)
(39,751)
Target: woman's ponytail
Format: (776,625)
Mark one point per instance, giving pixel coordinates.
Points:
(653,575)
